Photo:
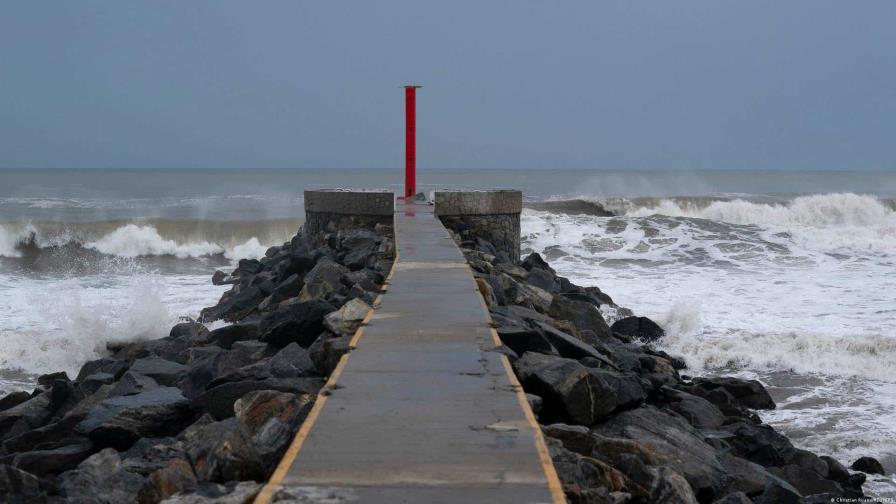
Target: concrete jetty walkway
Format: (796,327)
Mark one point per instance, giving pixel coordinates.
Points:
(422,411)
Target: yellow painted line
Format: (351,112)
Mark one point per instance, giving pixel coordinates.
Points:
(264,496)
(544,456)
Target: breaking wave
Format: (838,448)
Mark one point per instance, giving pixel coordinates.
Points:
(175,238)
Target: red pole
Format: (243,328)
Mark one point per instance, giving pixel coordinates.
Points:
(410,141)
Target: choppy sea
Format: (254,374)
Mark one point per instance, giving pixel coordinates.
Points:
(787,277)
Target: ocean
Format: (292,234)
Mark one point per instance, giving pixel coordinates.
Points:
(786,277)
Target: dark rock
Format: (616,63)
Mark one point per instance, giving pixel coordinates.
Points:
(748,477)
(18,486)
(697,411)
(638,327)
(868,465)
(585,479)
(211,366)
(292,361)
(760,444)
(570,347)
(806,481)
(219,400)
(583,316)
(535,261)
(289,288)
(542,279)
(524,339)
(219,278)
(115,367)
(323,281)
(747,393)
(151,454)
(163,371)
(734,498)
(572,391)
(194,332)
(836,470)
(222,451)
(28,415)
(226,336)
(271,418)
(46,381)
(249,266)
(92,383)
(13,399)
(301,323)
(673,442)
(100,479)
(120,421)
(176,476)
(213,493)
(348,318)
(776,493)
(326,352)
(235,304)
(132,383)
(53,461)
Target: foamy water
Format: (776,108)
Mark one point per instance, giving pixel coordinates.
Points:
(798,294)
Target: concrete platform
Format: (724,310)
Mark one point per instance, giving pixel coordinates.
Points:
(423,410)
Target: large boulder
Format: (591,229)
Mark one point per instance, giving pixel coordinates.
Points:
(868,465)
(290,287)
(219,400)
(271,417)
(176,476)
(574,392)
(226,336)
(18,486)
(583,316)
(54,460)
(674,443)
(27,415)
(163,371)
(347,319)
(746,393)
(222,451)
(571,347)
(120,421)
(301,323)
(100,479)
(323,281)
(638,327)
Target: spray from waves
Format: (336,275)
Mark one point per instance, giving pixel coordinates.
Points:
(176,238)
(79,321)
(817,210)
(708,350)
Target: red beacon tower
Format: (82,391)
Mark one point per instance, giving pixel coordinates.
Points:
(410,141)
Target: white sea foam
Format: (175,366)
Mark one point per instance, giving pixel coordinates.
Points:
(58,324)
(129,240)
(794,292)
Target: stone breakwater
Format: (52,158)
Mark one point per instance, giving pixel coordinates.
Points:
(621,422)
(205,416)
(201,415)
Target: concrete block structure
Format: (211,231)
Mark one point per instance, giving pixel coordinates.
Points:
(331,210)
(492,215)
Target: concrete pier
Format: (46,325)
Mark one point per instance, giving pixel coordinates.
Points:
(423,409)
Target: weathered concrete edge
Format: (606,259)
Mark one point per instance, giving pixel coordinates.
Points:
(478,202)
(350,202)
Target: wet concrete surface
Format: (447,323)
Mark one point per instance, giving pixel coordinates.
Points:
(424,410)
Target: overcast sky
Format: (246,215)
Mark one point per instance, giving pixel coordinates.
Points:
(508,84)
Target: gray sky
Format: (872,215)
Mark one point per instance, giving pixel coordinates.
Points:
(508,84)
